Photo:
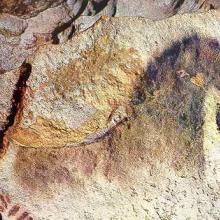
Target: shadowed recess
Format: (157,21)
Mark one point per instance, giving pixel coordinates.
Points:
(99,5)
(25,71)
(218,117)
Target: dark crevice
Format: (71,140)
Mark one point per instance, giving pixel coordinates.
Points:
(2,71)
(209,5)
(115,9)
(19,91)
(55,39)
(98,6)
(212,7)
(138,96)
(178,4)
(61,28)
(218,117)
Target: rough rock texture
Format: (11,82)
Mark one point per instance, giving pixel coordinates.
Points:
(26,8)
(148,8)
(24,25)
(151,104)
(75,94)
(78,91)
(13,85)
(157,9)
(20,37)
(8,87)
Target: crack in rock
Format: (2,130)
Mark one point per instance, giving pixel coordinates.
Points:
(17,98)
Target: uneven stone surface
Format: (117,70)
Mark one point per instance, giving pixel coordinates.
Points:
(76,94)
(26,8)
(8,86)
(24,25)
(149,103)
(13,86)
(19,38)
(157,9)
(144,8)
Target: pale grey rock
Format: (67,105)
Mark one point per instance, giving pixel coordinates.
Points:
(27,8)
(19,37)
(8,86)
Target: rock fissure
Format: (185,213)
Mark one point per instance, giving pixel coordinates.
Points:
(218,117)
(17,98)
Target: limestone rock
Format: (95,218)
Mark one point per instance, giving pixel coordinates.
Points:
(155,9)
(144,8)
(24,25)
(150,105)
(19,37)
(26,8)
(11,56)
(13,85)
(77,93)
(150,9)
(8,86)
(81,89)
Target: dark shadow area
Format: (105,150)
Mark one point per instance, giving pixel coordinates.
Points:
(61,28)
(218,117)
(178,4)
(25,71)
(97,6)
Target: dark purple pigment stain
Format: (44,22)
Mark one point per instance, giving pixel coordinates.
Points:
(218,117)
(16,100)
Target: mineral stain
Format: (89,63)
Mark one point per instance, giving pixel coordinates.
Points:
(167,126)
(218,117)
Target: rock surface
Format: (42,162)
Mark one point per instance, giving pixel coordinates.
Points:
(8,86)
(24,25)
(150,105)
(26,8)
(78,91)
(19,37)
